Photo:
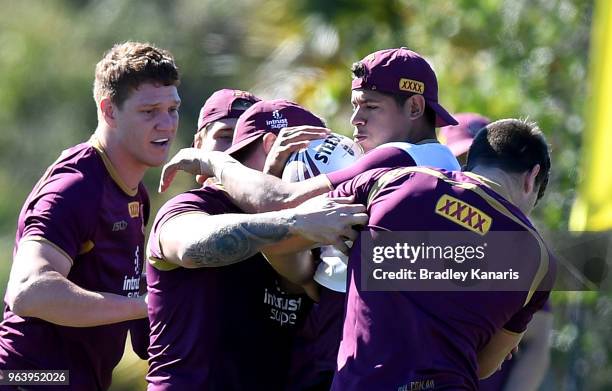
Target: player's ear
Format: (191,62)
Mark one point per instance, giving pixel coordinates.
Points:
(268,142)
(529,182)
(197,139)
(108,111)
(415,106)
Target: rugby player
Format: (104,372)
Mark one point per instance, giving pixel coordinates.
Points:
(217,120)
(528,366)
(217,314)
(396,111)
(79,248)
(405,340)
(218,117)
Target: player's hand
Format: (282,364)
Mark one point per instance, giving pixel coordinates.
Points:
(191,160)
(289,140)
(512,352)
(329,220)
(508,357)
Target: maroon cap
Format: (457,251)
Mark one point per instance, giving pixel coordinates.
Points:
(402,71)
(225,103)
(458,138)
(269,116)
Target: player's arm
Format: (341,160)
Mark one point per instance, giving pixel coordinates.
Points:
(530,367)
(251,190)
(254,191)
(298,268)
(197,239)
(491,357)
(38,287)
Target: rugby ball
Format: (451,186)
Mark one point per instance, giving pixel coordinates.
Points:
(321,157)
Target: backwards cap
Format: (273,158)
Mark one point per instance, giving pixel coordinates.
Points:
(402,71)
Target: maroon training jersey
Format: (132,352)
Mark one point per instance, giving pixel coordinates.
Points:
(83,209)
(316,346)
(216,328)
(406,339)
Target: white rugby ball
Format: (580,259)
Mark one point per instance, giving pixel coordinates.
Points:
(321,157)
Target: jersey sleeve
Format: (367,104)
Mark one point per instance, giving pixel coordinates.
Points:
(539,300)
(196,201)
(359,186)
(388,157)
(63,212)
(139,337)
(518,323)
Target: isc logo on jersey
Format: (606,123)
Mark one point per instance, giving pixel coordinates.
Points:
(321,157)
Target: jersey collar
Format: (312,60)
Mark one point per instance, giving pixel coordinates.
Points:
(110,168)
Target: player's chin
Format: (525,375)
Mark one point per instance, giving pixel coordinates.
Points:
(157,161)
(365,144)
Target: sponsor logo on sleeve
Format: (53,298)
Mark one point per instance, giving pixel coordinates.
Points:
(463,214)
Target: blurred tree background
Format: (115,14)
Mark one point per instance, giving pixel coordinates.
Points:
(501,58)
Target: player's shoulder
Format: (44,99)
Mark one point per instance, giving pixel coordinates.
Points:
(396,150)
(426,154)
(471,193)
(426,174)
(209,199)
(77,172)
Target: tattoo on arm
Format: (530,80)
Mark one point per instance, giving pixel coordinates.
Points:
(234,243)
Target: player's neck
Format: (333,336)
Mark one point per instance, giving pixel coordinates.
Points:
(421,133)
(504,184)
(428,141)
(129,170)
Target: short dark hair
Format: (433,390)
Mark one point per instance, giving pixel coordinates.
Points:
(128,65)
(358,70)
(513,145)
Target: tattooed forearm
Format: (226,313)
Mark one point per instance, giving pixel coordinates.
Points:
(234,242)
(251,190)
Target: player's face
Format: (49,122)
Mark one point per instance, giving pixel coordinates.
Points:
(147,123)
(377,119)
(218,136)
